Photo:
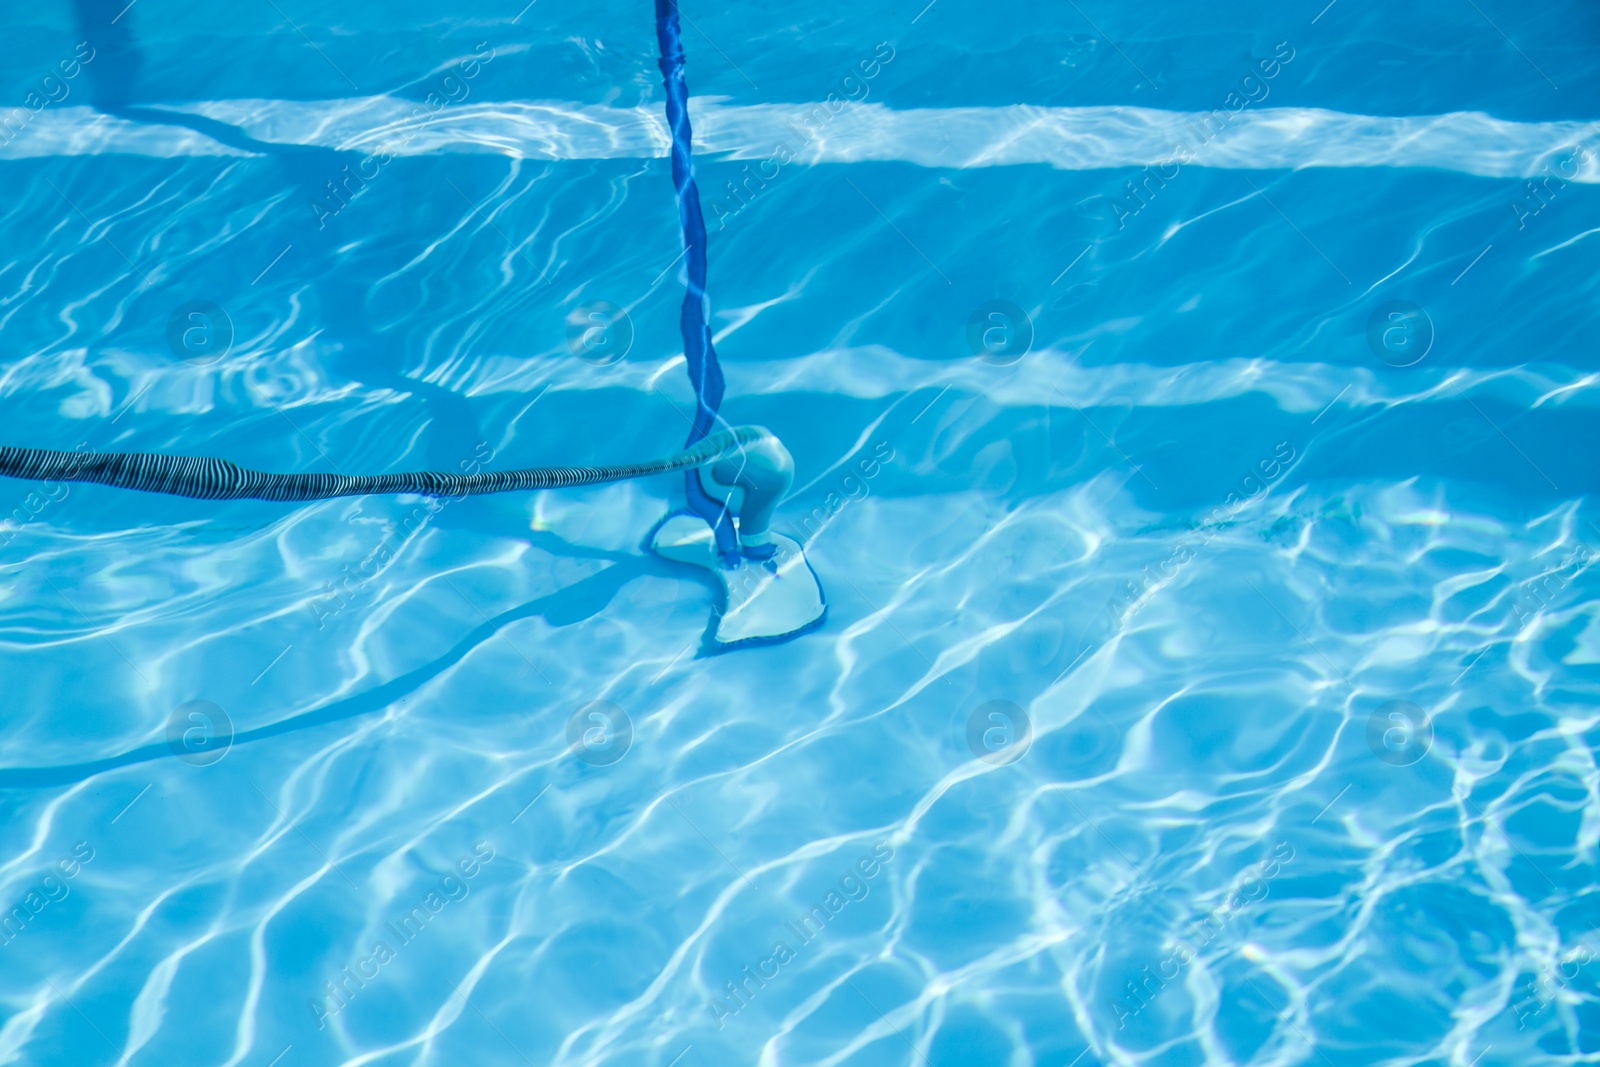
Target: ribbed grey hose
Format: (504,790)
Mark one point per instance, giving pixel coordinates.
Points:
(217,479)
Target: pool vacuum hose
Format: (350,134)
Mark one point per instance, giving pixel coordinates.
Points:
(749,468)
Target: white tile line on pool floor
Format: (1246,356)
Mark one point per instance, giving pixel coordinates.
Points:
(1066,138)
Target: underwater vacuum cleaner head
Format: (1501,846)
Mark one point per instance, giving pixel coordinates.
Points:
(769,591)
(751,484)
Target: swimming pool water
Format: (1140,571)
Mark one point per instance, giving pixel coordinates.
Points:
(1193,411)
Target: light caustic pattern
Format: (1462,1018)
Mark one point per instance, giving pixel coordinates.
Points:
(1193,416)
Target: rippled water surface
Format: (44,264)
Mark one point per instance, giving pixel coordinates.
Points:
(1211,660)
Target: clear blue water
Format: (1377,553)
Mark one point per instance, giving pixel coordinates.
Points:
(1205,533)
